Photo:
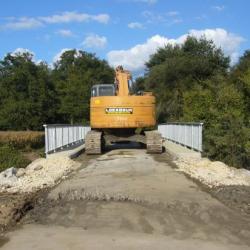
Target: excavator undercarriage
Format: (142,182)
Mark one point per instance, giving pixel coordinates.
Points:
(96,140)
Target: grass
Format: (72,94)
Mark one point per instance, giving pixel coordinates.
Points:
(19,148)
(10,157)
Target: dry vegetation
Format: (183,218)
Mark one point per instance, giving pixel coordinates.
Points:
(22,139)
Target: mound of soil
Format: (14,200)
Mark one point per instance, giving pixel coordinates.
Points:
(236,197)
(13,207)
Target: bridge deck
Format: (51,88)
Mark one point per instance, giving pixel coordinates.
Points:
(180,150)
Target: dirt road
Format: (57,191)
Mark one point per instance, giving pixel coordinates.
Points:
(127,199)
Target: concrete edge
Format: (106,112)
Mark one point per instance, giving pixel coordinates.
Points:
(72,153)
(77,152)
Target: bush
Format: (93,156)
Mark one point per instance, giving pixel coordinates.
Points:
(11,157)
(22,139)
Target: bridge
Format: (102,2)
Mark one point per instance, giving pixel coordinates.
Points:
(178,137)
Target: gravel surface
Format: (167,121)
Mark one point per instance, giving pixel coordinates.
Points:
(229,185)
(150,192)
(212,174)
(127,199)
(19,188)
(41,173)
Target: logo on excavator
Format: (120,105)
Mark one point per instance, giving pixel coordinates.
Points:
(119,111)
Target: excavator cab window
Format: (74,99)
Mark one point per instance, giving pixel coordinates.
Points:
(94,91)
(103,90)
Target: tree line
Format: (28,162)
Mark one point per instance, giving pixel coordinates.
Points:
(192,82)
(34,94)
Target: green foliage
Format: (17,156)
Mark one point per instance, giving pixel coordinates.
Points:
(74,76)
(26,93)
(193,82)
(208,58)
(221,110)
(138,85)
(32,94)
(180,68)
(240,77)
(10,157)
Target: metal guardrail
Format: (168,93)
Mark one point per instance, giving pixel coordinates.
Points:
(186,134)
(60,136)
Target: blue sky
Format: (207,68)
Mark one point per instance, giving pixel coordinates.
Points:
(121,31)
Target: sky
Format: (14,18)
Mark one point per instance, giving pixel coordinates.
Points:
(123,32)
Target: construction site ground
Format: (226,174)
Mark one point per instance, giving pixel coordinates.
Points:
(128,199)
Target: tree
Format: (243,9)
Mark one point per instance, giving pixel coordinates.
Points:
(26,93)
(221,110)
(73,76)
(174,69)
(240,77)
(33,94)
(193,82)
(138,85)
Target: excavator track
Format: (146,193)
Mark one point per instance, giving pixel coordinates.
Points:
(153,142)
(93,143)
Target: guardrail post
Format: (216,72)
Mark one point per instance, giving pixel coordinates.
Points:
(68,137)
(46,139)
(55,139)
(62,138)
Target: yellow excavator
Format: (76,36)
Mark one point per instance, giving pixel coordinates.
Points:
(116,115)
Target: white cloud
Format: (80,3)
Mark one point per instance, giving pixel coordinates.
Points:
(71,16)
(173,13)
(21,51)
(90,39)
(65,33)
(152,17)
(101,18)
(23,23)
(176,20)
(201,17)
(134,58)
(219,8)
(94,41)
(58,56)
(147,1)
(169,18)
(229,42)
(135,25)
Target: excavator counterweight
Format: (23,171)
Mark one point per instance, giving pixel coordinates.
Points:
(117,115)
